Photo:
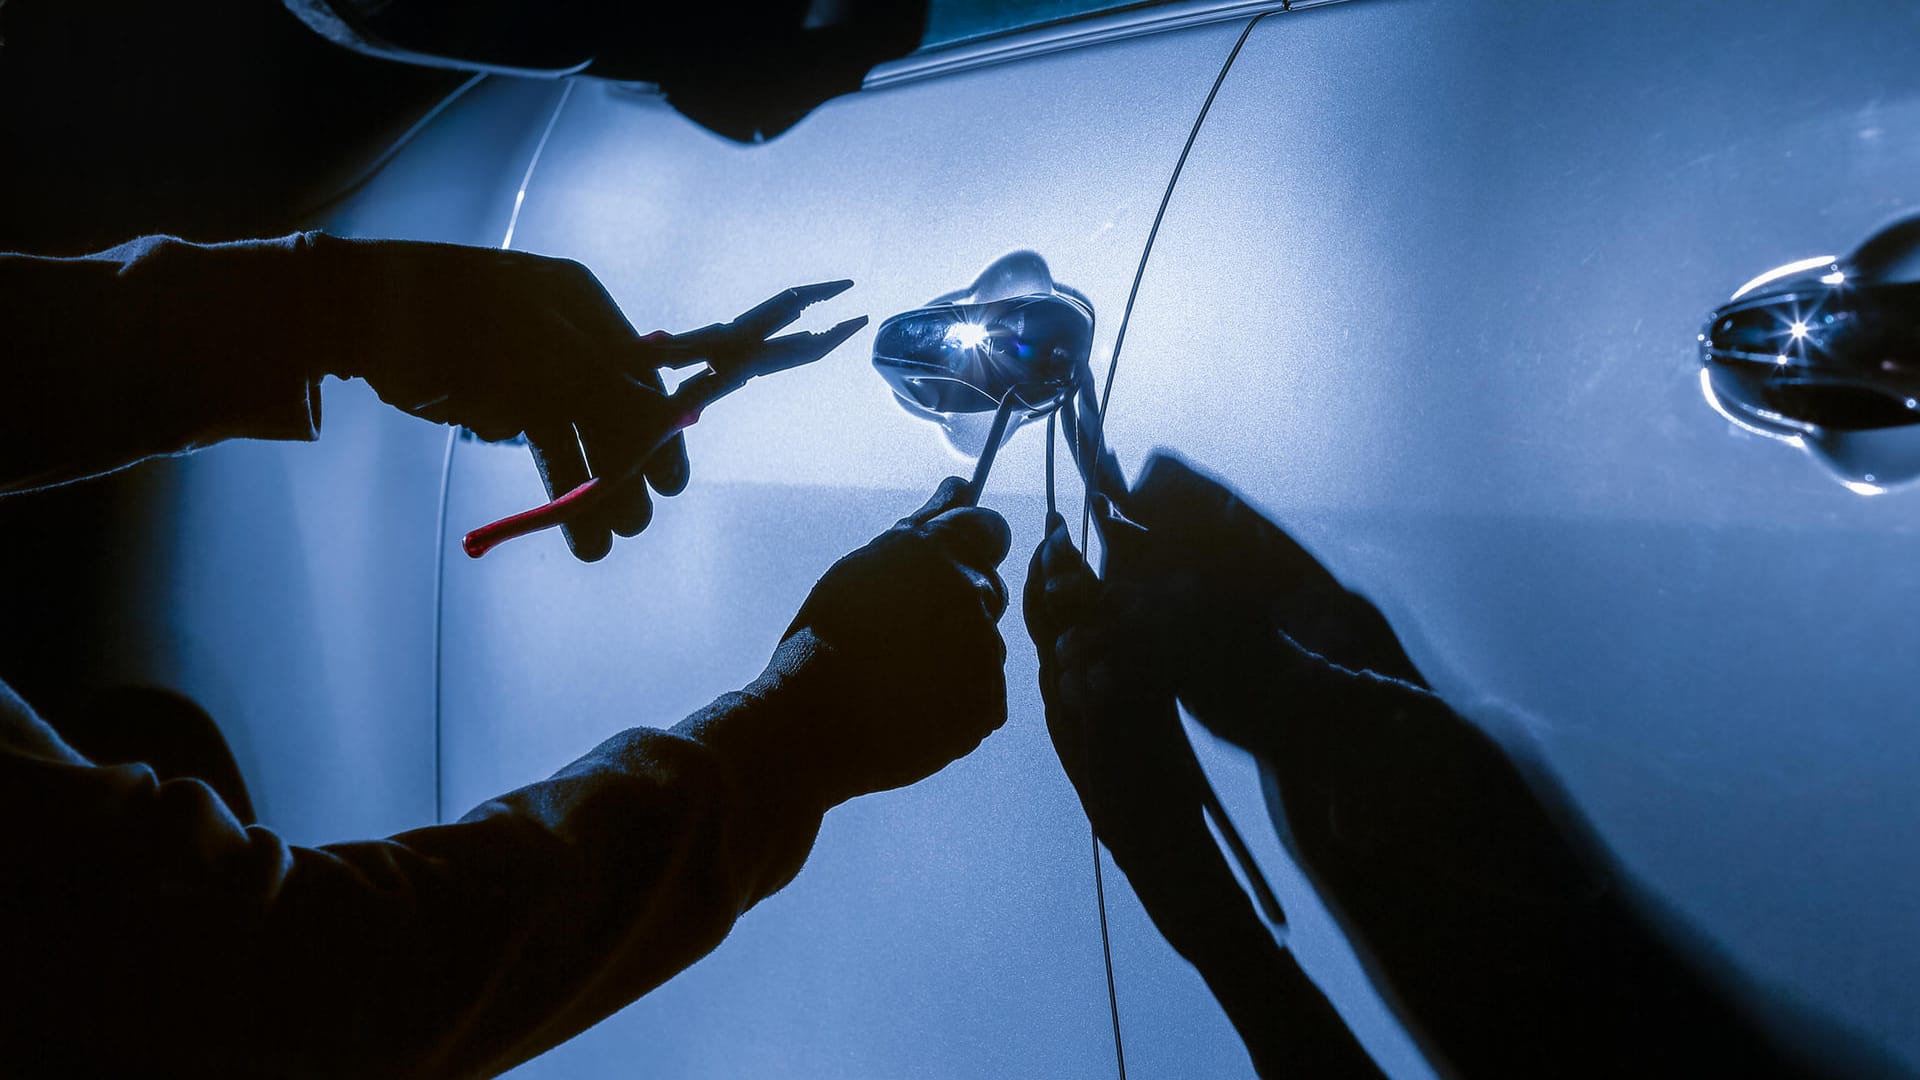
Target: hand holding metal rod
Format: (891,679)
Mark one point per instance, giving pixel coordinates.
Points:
(1035,397)
(734,352)
(996,434)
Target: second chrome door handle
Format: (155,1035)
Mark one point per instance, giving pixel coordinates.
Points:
(1825,353)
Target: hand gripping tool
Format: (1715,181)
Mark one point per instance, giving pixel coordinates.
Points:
(734,353)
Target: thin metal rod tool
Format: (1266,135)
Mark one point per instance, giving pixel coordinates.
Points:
(996,434)
(1051,511)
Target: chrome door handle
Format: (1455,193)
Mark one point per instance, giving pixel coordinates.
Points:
(1824,353)
(1014,331)
(1012,346)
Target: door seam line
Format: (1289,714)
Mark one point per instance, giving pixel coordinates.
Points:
(1086,506)
(446,490)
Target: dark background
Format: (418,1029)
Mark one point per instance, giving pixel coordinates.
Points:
(209,119)
(215,119)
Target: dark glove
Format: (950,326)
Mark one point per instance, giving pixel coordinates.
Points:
(1110,710)
(1111,714)
(898,653)
(505,343)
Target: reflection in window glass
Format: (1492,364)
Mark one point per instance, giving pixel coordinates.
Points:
(950,21)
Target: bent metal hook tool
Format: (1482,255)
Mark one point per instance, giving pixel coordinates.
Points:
(734,352)
(1037,399)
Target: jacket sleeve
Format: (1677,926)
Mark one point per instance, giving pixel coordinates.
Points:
(148,931)
(157,346)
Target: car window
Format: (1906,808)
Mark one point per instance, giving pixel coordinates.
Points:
(952,21)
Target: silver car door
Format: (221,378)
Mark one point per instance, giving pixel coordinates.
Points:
(1427,293)
(946,930)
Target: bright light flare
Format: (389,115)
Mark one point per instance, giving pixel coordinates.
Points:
(966,335)
(1798,330)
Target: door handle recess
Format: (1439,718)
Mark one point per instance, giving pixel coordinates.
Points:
(1824,354)
(1014,338)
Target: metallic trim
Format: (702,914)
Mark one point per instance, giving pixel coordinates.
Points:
(1073,34)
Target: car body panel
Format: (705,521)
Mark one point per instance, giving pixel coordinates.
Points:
(1427,294)
(950,929)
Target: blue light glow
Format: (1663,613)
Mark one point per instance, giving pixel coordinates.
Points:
(967,335)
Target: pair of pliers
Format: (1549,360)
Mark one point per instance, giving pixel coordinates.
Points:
(734,352)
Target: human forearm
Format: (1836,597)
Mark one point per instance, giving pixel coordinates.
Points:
(1289,1027)
(553,907)
(154,347)
(144,920)
(600,882)
(146,930)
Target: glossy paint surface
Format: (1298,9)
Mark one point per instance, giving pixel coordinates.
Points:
(1428,292)
(950,929)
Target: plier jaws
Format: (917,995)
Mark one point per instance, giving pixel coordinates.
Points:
(793,350)
(734,352)
(739,350)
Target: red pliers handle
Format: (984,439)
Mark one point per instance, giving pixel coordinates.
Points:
(734,352)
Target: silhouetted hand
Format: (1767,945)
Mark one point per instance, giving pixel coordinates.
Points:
(1110,707)
(505,343)
(1111,715)
(898,643)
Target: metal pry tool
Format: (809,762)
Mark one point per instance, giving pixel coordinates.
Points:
(734,352)
(1018,397)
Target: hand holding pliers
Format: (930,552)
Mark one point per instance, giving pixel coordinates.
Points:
(734,353)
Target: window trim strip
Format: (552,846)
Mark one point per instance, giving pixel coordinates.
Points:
(1072,34)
